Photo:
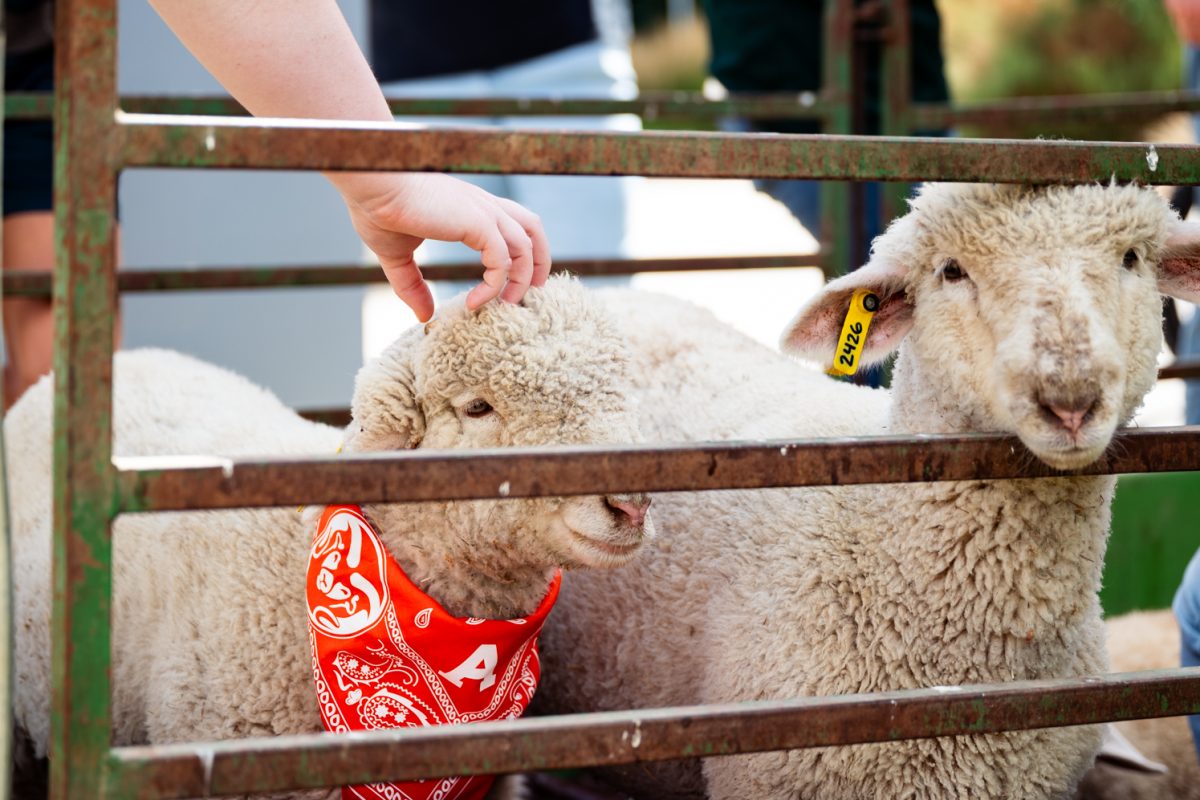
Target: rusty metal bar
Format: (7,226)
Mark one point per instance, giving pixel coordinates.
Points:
(33,283)
(337,417)
(649,105)
(1056,108)
(627,737)
(171,484)
(149,141)
(1051,108)
(1180,368)
(85,303)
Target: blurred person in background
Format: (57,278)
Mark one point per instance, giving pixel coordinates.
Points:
(1186,16)
(552,48)
(293,59)
(777,46)
(28,189)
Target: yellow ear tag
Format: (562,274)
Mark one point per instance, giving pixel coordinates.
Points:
(863,305)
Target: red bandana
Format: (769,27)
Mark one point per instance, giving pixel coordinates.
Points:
(386,655)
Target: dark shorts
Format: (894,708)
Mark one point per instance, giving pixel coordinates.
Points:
(29,144)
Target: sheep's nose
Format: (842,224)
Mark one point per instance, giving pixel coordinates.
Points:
(633,506)
(1071,414)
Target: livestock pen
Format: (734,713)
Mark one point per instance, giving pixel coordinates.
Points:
(97,138)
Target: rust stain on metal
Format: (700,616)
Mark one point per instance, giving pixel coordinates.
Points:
(307,144)
(160,484)
(33,283)
(296,762)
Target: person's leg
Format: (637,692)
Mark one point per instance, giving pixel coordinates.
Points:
(1189,332)
(1187,613)
(28,322)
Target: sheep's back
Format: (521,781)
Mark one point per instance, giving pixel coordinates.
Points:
(165,403)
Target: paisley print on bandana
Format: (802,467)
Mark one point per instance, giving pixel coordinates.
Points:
(386,655)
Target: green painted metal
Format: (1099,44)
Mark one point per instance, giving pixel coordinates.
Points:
(649,105)
(896,80)
(1154,534)
(645,735)
(837,91)
(83,498)
(687,105)
(230,143)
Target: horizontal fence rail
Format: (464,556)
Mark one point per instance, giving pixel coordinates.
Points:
(173,483)
(32,283)
(625,737)
(648,105)
(233,143)
(1180,368)
(1054,109)
(690,105)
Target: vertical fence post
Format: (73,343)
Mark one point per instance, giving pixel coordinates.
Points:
(85,303)
(837,44)
(896,83)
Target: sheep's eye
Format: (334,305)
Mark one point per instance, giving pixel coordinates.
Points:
(1131,259)
(952,271)
(477,408)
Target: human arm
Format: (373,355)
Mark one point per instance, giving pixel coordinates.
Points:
(1186,16)
(298,58)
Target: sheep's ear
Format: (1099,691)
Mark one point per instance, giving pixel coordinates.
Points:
(814,333)
(385,413)
(1179,264)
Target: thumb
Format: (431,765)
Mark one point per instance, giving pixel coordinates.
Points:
(409,285)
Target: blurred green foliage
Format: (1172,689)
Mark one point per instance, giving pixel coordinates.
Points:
(1067,47)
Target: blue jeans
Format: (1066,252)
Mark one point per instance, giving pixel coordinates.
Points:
(1187,612)
(1189,332)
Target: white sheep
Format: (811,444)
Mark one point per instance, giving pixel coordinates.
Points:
(1144,640)
(1029,310)
(210,626)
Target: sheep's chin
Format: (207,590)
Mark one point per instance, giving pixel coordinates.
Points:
(1056,449)
(591,535)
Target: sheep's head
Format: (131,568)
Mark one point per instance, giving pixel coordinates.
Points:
(548,371)
(1029,310)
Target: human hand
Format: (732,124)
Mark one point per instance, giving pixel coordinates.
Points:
(394,213)
(1186,16)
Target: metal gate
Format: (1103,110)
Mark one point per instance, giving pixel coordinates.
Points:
(97,139)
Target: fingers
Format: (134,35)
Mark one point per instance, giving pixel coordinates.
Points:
(520,247)
(408,284)
(514,252)
(494,253)
(532,226)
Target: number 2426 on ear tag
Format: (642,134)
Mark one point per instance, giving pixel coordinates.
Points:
(863,305)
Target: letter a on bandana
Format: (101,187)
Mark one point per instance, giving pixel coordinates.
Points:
(386,655)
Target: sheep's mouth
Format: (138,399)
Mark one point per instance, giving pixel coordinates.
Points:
(610,549)
(1062,452)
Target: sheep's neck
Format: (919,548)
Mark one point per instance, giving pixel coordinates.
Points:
(1010,569)
(1005,574)
(464,578)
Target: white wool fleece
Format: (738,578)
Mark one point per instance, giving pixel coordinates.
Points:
(210,634)
(751,595)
